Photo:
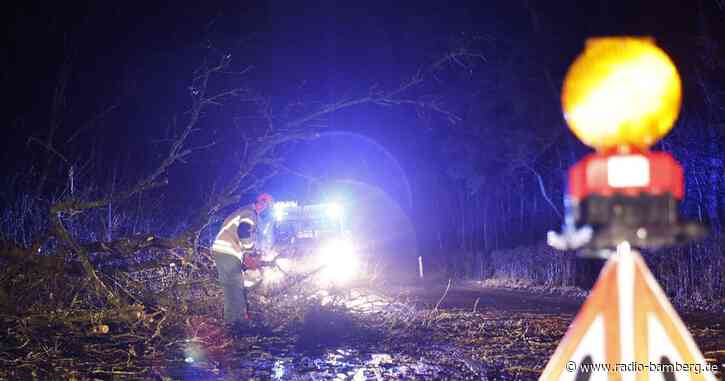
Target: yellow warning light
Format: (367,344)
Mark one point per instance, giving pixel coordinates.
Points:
(622,91)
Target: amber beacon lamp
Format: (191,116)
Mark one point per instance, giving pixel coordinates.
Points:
(621,96)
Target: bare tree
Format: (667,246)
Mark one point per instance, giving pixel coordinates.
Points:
(261,160)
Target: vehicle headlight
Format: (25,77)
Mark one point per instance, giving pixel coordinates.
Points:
(334,210)
(279,214)
(279,210)
(339,260)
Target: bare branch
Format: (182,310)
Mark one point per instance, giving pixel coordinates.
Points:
(543,190)
(390,97)
(100,287)
(55,116)
(309,178)
(100,115)
(48,147)
(177,151)
(327,110)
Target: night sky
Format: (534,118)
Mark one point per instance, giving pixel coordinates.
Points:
(137,59)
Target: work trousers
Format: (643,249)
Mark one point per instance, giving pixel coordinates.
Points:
(229,268)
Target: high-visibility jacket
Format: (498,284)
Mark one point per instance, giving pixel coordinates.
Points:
(228,240)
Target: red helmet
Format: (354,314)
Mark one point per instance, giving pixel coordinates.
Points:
(264,201)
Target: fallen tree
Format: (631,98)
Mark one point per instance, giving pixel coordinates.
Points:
(74,298)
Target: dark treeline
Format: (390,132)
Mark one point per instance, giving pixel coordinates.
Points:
(500,192)
(468,108)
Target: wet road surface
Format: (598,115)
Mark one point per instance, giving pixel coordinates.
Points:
(510,336)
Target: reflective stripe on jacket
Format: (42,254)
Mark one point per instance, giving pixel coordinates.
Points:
(228,241)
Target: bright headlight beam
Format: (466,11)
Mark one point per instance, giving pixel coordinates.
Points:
(334,210)
(339,260)
(279,214)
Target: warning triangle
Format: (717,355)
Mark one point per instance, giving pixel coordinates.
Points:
(627,330)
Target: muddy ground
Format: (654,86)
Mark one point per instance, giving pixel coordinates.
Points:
(477,333)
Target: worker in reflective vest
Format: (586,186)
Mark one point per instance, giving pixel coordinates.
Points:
(243,233)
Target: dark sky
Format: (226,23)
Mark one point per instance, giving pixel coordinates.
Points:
(305,40)
(139,55)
